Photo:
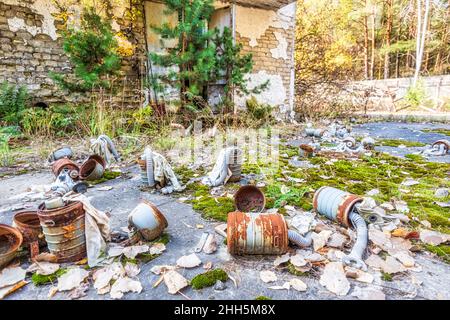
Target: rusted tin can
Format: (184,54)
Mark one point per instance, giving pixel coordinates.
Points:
(249,199)
(148,220)
(306,151)
(64,231)
(256,233)
(27,222)
(64,163)
(335,204)
(10,241)
(91,170)
(445,143)
(99,159)
(235,165)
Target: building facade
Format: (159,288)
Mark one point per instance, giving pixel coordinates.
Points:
(31,48)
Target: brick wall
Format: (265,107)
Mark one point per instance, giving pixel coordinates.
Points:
(27,55)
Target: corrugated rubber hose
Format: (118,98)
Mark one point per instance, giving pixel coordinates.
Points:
(355,258)
(111,146)
(298,239)
(150,168)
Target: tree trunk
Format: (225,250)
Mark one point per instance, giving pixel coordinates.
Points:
(389,4)
(421,37)
(366,46)
(372,60)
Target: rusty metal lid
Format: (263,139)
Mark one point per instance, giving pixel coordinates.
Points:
(59,165)
(13,236)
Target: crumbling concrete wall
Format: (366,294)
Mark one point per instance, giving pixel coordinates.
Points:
(269,35)
(31,48)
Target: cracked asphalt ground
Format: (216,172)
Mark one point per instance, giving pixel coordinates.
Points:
(184,236)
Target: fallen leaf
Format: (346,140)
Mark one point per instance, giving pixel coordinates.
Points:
(433,237)
(45,257)
(133,251)
(337,240)
(285,286)
(72,279)
(410,182)
(188,262)
(174,281)
(157,248)
(405,258)
(12,275)
(124,285)
(208,265)
(320,239)
(298,285)
(161,269)
(52,291)
(268,276)
(43,268)
(281,260)
(334,279)
(79,292)
(298,261)
(210,245)
(132,269)
(106,188)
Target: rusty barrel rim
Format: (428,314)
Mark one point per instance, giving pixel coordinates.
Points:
(59,165)
(67,244)
(28,223)
(238,222)
(91,169)
(159,215)
(346,207)
(445,142)
(9,255)
(316,197)
(244,193)
(99,159)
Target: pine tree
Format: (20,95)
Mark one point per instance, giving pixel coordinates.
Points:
(190,63)
(233,66)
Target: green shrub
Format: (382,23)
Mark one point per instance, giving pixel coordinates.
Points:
(13,101)
(92,49)
(416,95)
(258,111)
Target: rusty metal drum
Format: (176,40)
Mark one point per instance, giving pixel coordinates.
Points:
(27,222)
(10,241)
(91,170)
(64,230)
(249,199)
(445,143)
(335,204)
(148,220)
(257,233)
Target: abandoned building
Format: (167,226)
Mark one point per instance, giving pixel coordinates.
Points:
(31,48)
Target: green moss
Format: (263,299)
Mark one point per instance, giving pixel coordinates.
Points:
(398,142)
(107,176)
(414,157)
(292,270)
(208,279)
(40,280)
(386,276)
(263,298)
(164,239)
(210,206)
(439,130)
(442,251)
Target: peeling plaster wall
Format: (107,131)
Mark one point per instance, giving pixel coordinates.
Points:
(269,36)
(30,48)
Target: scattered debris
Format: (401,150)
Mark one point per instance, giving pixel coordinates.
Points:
(72,279)
(174,281)
(124,285)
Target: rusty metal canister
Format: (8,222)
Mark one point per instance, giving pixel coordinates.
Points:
(443,142)
(64,231)
(10,241)
(92,169)
(148,220)
(257,233)
(27,222)
(249,199)
(335,204)
(65,152)
(306,150)
(64,163)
